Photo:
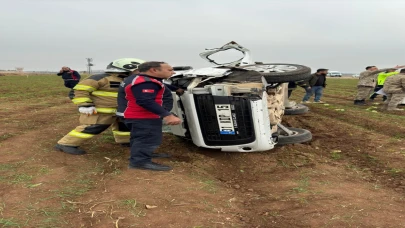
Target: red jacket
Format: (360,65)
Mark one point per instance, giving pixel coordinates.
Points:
(144,97)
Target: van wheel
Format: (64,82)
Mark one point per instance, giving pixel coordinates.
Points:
(280,72)
(296,110)
(299,136)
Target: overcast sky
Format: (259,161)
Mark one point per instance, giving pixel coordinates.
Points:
(343,35)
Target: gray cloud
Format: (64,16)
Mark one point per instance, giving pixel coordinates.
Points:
(343,35)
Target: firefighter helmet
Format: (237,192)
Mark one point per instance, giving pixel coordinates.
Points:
(124,65)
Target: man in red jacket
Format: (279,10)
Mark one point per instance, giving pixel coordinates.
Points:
(144,113)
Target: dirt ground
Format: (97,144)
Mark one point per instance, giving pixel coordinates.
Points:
(352,174)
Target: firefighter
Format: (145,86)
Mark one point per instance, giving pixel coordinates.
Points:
(96,97)
(380,82)
(394,87)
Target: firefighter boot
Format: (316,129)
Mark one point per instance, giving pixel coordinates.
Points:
(70,149)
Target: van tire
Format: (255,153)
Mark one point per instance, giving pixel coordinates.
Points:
(296,110)
(300,136)
(301,73)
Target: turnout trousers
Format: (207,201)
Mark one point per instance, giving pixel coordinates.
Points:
(93,125)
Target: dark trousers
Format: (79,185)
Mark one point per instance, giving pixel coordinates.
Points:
(374,95)
(291,87)
(146,136)
(70,84)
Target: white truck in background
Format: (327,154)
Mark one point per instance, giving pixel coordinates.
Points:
(334,74)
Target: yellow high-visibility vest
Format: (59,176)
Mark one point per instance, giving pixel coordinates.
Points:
(382,76)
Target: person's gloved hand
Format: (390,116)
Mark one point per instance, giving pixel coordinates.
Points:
(88,110)
(179,92)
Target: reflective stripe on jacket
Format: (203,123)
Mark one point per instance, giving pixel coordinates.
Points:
(100,90)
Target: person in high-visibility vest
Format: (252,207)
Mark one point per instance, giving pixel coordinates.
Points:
(96,98)
(380,82)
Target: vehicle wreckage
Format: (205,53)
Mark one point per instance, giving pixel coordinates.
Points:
(236,106)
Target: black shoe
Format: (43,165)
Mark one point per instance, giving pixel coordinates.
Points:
(359,102)
(160,155)
(70,149)
(150,166)
(126,144)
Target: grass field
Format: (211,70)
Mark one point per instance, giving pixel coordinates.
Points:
(352,174)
